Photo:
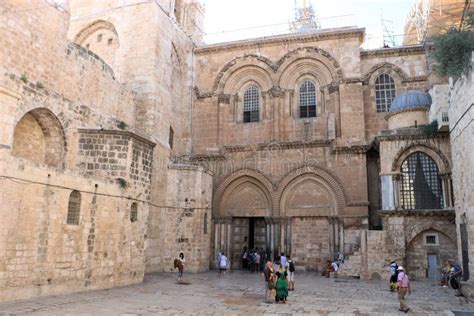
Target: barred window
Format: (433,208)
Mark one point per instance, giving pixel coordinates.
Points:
(384,92)
(133,212)
(251,105)
(420,184)
(205,223)
(74,208)
(307,99)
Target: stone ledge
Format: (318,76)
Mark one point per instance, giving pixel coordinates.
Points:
(117,132)
(429,212)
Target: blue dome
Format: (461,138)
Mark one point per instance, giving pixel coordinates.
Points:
(412,99)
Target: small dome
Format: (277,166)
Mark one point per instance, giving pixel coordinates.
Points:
(413,99)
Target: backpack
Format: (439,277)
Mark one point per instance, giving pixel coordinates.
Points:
(292,266)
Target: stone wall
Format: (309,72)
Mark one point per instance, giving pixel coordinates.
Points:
(461,117)
(183,224)
(310,243)
(403,240)
(41,254)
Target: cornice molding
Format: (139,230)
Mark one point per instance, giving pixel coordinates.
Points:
(340,33)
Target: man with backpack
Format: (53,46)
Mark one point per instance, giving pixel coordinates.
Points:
(291,274)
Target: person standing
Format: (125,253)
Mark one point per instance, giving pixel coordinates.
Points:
(393,275)
(222,264)
(291,274)
(283,261)
(181,263)
(403,283)
(269,277)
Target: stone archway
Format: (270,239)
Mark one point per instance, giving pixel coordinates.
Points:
(242,206)
(39,137)
(428,246)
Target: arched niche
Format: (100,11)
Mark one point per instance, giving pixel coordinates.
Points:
(243,193)
(242,76)
(238,70)
(308,195)
(102,38)
(39,137)
(246,199)
(304,179)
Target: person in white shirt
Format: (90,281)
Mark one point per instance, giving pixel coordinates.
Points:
(283,261)
(222,264)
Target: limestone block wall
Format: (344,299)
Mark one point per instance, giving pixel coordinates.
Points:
(41,254)
(403,239)
(183,223)
(461,117)
(310,242)
(407,67)
(223,71)
(159,72)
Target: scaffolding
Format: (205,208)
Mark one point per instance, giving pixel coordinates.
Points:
(305,18)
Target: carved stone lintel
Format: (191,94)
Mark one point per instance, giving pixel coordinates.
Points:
(223,98)
(276,92)
(201,95)
(333,88)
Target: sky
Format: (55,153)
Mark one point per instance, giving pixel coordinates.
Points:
(224,17)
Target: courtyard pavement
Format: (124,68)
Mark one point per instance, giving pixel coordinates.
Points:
(241,292)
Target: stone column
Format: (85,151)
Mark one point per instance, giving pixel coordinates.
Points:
(216,240)
(331,237)
(341,237)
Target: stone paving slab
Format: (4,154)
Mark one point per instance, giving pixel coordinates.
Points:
(241,292)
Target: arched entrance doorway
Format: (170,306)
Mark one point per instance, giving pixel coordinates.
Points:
(241,221)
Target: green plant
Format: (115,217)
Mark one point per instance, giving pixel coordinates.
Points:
(431,129)
(39,85)
(122,183)
(24,78)
(454,48)
(122,125)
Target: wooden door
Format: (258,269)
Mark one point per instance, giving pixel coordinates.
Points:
(240,240)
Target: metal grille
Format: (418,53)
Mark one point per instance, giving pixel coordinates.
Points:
(307,99)
(251,105)
(74,208)
(134,212)
(421,184)
(384,92)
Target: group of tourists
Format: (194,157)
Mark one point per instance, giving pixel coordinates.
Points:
(279,278)
(253,259)
(451,274)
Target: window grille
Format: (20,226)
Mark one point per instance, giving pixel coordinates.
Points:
(74,208)
(307,99)
(384,92)
(134,212)
(251,105)
(421,184)
(431,240)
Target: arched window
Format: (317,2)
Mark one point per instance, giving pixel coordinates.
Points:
(74,208)
(251,105)
(384,92)
(205,223)
(307,99)
(133,212)
(420,184)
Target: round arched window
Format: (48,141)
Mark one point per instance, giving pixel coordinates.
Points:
(420,184)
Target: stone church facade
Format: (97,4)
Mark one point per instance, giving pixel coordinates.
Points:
(125,141)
